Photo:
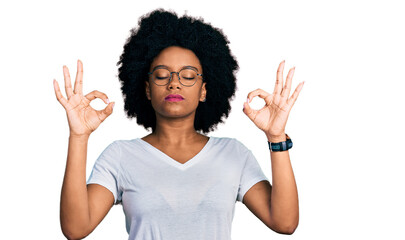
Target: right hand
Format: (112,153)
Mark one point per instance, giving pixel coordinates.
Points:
(82,118)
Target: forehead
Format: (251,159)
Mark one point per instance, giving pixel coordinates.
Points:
(175,58)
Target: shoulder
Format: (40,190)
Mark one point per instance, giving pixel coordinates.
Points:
(114,149)
(231,143)
(123,142)
(130,146)
(115,154)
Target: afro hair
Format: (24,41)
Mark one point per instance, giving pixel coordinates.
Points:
(161,29)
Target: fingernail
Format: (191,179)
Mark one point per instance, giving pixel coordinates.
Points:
(247,100)
(108,100)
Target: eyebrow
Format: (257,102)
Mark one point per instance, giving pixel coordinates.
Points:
(166,67)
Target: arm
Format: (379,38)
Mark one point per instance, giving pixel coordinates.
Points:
(277,205)
(81,207)
(284,195)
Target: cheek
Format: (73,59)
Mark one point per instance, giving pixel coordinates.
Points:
(155,97)
(154,91)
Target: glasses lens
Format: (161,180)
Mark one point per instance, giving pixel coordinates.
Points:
(188,77)
(161,76)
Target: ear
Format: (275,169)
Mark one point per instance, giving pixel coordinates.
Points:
(147,90)
(203,92)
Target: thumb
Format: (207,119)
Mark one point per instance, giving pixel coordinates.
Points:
(249,111)
(103,114)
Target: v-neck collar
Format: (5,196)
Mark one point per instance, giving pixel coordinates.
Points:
(163,156)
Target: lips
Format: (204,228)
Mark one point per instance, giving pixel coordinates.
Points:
(174,98)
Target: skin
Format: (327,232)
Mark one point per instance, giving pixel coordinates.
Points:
(175,134)
(275,205)
(83,207)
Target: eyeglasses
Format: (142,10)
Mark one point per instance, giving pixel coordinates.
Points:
(162,76)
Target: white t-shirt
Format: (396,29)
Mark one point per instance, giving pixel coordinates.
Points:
(165,200)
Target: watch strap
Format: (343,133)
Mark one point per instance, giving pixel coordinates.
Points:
(280,146)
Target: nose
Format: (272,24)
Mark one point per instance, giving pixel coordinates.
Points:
(174,83)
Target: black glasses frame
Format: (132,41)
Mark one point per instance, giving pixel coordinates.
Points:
(178,75)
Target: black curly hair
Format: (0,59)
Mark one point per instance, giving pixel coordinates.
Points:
(161,29)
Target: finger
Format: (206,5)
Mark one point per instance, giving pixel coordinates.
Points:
(279,79)
(58,94)
(68,85)
(103,114)
(97,94)
(287,87)
(262,94)
(294,97)
(251,113)
(79,78)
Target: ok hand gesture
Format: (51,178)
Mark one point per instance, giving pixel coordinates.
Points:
(272,118)
(82,118)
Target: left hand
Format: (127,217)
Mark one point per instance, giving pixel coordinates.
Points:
(272,118)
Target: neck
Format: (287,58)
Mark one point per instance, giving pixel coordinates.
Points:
(175,131)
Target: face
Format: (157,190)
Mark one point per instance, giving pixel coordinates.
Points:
(175,99)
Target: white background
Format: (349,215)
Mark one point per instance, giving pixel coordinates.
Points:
(347,124)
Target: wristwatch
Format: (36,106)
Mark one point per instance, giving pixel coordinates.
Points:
(281,146)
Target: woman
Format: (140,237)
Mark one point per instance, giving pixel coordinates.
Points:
(178,77)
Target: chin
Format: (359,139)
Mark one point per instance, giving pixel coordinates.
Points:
(176,114)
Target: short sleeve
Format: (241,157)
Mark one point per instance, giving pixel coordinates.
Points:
(105,171)
(251,174)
